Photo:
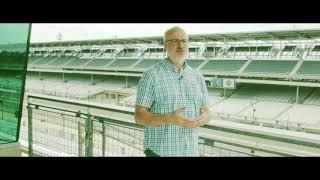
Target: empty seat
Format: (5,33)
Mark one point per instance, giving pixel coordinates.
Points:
(223,65)
(195,63)
(309,68)
(146,63)
(98,63)
(270,66)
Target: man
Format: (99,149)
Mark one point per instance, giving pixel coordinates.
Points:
(172,101)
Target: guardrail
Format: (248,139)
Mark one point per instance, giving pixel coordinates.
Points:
(66,127)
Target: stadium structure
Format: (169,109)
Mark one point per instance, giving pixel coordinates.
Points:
(263,89)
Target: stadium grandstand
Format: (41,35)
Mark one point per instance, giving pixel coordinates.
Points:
(263,87)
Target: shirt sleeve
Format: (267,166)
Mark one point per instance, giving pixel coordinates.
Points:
(145,93)
(205,97)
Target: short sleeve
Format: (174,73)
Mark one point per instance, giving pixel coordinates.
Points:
(145,93)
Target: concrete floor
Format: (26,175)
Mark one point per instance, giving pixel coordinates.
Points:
(12,150)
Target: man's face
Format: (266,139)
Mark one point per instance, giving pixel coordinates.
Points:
(177,45)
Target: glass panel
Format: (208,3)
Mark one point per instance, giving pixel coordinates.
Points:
(14,49)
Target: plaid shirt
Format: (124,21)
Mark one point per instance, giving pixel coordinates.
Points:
(164,90)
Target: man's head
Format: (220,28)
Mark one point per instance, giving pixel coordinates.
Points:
(176,44)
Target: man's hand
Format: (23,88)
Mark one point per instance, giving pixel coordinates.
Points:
(176,118)
(205,116)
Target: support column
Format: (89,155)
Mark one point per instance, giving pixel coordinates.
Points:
(89,134)
(80,140)
(297,96)
(103,139)
(126,81)
(30,135)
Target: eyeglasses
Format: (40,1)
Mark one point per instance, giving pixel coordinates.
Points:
(176,41)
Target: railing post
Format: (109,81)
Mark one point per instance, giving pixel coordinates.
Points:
(103,139)
(80,140)
(89,138)
(30,137)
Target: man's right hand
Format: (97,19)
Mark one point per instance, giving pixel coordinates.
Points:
(176,118)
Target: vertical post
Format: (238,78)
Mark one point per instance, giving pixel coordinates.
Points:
(91,82)
(89,141)
(117,98)
(103,139)
(1,101)
(126,81)
(80,142)
(297,95)
(30,137)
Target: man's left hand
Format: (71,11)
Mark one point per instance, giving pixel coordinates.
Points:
(205,116)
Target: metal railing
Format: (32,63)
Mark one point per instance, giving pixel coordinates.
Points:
(64,127)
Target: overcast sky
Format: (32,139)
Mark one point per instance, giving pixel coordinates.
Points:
(71,31)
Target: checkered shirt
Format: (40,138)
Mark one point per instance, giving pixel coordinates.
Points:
(163,90)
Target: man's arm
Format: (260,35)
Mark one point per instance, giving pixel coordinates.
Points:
(205,114)
(144,117)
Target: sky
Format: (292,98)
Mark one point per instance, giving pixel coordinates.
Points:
(71,31)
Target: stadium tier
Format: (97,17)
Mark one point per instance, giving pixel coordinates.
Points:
(223,65)
(122,64)
(97,64)
(309,68)
(146,63)
(271,67)
(195,63)
(109,76)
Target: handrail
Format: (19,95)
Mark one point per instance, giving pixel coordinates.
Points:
(254,132)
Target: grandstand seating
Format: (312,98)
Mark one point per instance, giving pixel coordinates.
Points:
(270,93)
(211,52)
(151,53)
(33,59)
(313,54)
(314,98)
(274,62)
(289,52)
(97,64)
(223,65)
(77,63)
(44,61)
(270,66)
(59,62)
(128,52)
(121,64)
(195,63)
(146,63)
(309,68)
